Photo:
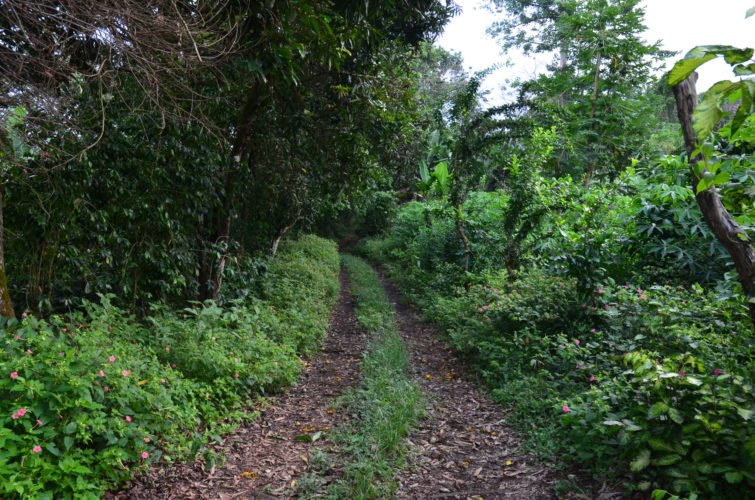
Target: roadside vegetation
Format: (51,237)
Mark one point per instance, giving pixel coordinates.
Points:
(92,397)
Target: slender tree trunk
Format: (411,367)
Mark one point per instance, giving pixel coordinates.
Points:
(463,235)
(731,236)
(222,233)
(6,306)
(590,168)
(280,234)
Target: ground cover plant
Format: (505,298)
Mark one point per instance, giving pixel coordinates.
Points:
(89,398)
(385,406)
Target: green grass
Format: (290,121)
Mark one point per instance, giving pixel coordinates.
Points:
(386,404)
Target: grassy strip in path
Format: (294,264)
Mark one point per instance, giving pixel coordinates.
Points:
(386,404)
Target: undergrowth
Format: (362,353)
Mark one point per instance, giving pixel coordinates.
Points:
(90,398)
(386,404)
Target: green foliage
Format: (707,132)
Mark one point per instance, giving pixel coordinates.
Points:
(386,405)
(709,112)
(565,335)
(100,393)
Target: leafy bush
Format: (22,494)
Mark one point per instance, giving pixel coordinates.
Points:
(86,398)
(571,358)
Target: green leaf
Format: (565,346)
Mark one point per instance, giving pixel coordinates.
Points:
(658,408)
(750,12)
(52,449)
(733,477)
(70,428)
(612,422)
(642,461)
(744,69)
(745,413)
(667,460)
(675,415)
(658,444)
(424,173)
(682,69)
(67,442)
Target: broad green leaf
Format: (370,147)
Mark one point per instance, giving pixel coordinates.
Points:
(733,477)
(612,422)
(745,413)
(667,460)
(424,173)
(709,112)
(744,69)
(682,69)
(736,56)
(658,444)
(675,415)
(658,408)
(642,461)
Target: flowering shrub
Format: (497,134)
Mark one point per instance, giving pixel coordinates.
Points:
(88,398)
(655,380)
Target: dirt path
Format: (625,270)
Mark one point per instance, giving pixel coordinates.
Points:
(464,450)
(264,458)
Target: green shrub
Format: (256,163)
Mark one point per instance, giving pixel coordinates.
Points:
(86,399)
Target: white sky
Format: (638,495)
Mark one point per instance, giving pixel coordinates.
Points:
(679,24)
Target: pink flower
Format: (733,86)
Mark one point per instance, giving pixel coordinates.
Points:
(13,374)
(146,440)
(162,380)
(592,308)
(577,342)
(173,365)
(600,290)
(643,297)
(18,337)
(237,375)
(626,287)
(28,351)
(167,348)
(592,331)
(565,408)
(592,379)
(60,354)
(145,454)
(102,374)
(681,373)
(213,338)
(39,422)
(15,416)
(128,419)
(236,360)
(112,358)
(639,290)
(21,412)
(584,304)
(107,388)
(716,371)
(23,315)
(125,373)
(36,449)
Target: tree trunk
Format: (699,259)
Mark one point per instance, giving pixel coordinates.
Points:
(280,234)
(731,236)
(590,168)
(6,306)
(222,234)
(464,239)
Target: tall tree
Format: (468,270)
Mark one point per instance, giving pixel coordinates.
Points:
(598,80)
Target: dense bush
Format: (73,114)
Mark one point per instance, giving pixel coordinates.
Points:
(88,397)
(652,379)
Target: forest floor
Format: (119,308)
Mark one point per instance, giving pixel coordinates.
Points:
(463,448)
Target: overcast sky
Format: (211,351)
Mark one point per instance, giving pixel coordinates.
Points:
(679,24)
